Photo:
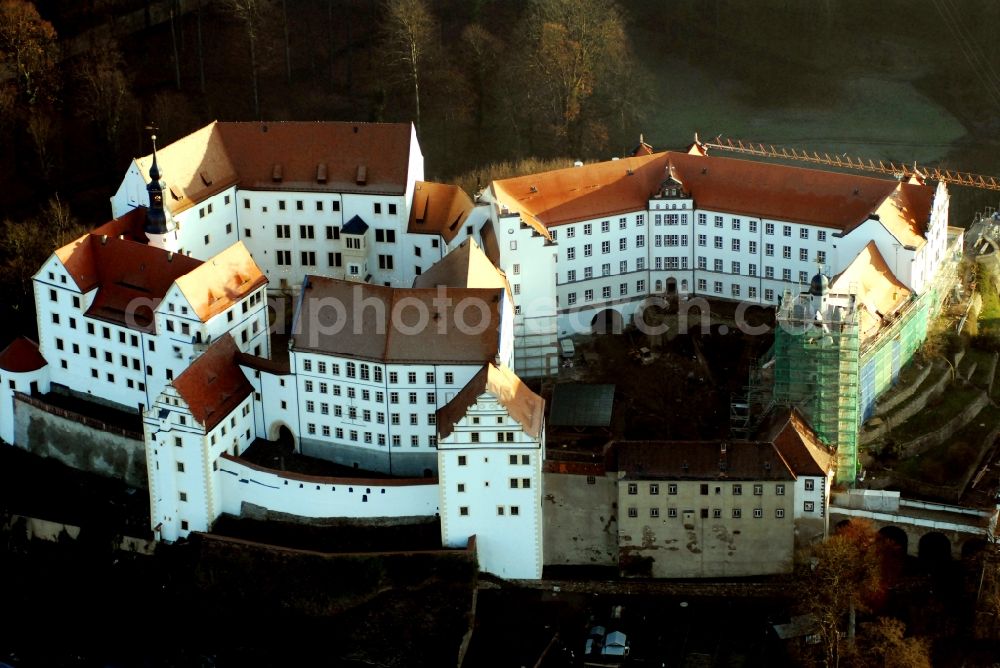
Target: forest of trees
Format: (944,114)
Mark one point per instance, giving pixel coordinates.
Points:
(489,83)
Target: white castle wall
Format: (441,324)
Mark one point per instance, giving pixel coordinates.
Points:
(310,496)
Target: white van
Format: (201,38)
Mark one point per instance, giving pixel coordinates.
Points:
(566,348)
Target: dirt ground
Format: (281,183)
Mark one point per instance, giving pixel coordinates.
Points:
(685,392)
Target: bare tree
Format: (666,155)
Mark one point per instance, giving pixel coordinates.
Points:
(252,14)
(482,51)
(884,644)
(105,92)
(843,574)
(408,43)
(574,49)
(28,46)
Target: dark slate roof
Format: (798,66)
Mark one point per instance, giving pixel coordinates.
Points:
(701,460)
(355,226)
(582,405)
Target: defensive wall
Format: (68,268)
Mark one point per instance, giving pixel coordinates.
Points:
(248,487)
(79,441)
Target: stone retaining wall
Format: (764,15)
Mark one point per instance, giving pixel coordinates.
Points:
(923,443)
(898,395)
(869,435)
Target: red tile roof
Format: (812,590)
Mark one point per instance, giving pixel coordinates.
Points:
(21,356)
(213,385)
(798,444)
(124,271)
(301,156)
(727,185)
(130,226)
(580,193)
(218,283)
(438,209)
(465,267)
(380,323)
(526,407)
(879,292)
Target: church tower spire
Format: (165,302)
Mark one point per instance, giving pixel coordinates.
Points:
(157,218)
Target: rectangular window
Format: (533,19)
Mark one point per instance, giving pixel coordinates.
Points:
(758,513)
(672,512)
(821,257)
(654,512)
(779,513)
(737,513)
(803,254)
(786,230)
(786,274)
(803,233)
(779,489)
(768,294)
(810,484)
(672,488)
(808,506)
(737,489)
(633,512)
(654,488)
(633,488)
(752,247)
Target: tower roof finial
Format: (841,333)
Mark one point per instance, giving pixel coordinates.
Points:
(154,170)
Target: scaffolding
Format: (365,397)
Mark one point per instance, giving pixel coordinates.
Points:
(816,365)
(749,408)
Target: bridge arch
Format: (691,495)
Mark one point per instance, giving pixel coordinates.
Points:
(972,547)
(934,548)
(896,537)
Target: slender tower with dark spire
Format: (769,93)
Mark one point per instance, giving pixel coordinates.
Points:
(156,216)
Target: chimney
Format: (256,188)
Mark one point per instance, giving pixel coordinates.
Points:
(277,173)
(723,457)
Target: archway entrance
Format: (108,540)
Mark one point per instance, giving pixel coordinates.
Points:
(671,287)
(608,321)
(282,436)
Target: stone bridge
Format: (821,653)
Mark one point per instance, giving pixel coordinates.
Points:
(920,528)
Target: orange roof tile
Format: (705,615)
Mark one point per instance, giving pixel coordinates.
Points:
(193,167)
(221,281)
(380,323)
(878,292)
(438,209)
(465,267)
(130,226)
(779,192)
(318,156)
(213,385)
(21,356)
(727,185)
(906,212)
(580,193)
(526,407)
(798,444)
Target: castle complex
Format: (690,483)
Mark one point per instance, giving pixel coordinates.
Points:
(414,313)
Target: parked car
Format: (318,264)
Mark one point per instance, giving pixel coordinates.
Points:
(595,641)
(615,644)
